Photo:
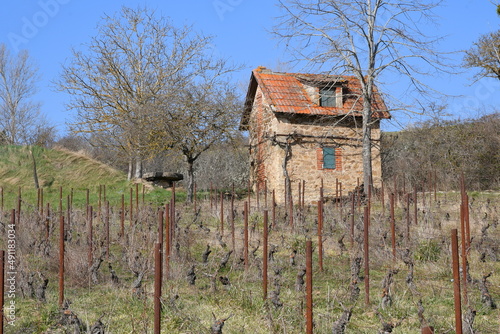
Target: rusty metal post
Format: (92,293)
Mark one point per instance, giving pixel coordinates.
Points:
(249,195)
(221,214)
(231,216)
(274,210)
(61,260)
(290,212)
(467,222)
(366,220)
(122,218)
(265,254)
(87,203)
(303,193)
(257,186)
(427,330)
(131,213)
(157,290)
(407,219)
(2,284)
(137,198)
(341,202)
(415,206)
(160,227)
(167,240)
(41,202)
(464,250)
(265,193)
(89,236)
(106,223)
(336,193)
(393,226)
(1,198)
(99,205)
(353,204)
(309,289)
(299,202)
(320,235)
(382,197)
(456,281)
(245,236)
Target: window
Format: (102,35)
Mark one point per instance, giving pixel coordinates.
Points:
(329,161)
(329,158)
(327,97)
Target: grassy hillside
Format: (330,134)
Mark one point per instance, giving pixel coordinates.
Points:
(56,168)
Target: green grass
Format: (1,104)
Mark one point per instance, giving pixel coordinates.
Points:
(191,309)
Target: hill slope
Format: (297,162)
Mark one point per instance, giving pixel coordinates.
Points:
(55,168)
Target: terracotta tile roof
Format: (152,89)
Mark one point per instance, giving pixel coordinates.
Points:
(286,93)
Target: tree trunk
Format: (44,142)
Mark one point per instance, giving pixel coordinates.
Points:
(138,168)
(190,180)
(367,145)
(130,169)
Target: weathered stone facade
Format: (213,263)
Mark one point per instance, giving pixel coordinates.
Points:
(292,143)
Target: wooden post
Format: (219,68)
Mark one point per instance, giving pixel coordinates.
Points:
(456,282)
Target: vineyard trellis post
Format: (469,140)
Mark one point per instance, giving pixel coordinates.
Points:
(2,284)
(456,281)
(320,235)
(265,255)
(309,289)
(366,221)
(61,260)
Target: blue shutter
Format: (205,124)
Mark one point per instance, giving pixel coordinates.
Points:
(328,157)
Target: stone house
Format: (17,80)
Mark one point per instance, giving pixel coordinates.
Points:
(306,128)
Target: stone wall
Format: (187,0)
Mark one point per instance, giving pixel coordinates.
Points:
(305,136)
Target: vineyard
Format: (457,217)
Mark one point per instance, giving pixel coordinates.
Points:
(134,259)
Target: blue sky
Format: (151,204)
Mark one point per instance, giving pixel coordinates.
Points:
(48,29)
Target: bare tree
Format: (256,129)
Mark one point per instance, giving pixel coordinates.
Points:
(485,54)
(364,38)
(204,114)
(137,62)
(18,113)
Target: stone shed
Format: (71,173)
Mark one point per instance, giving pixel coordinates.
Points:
(306,128)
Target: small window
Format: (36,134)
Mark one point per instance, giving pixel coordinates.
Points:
(327,97)
(329,158)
